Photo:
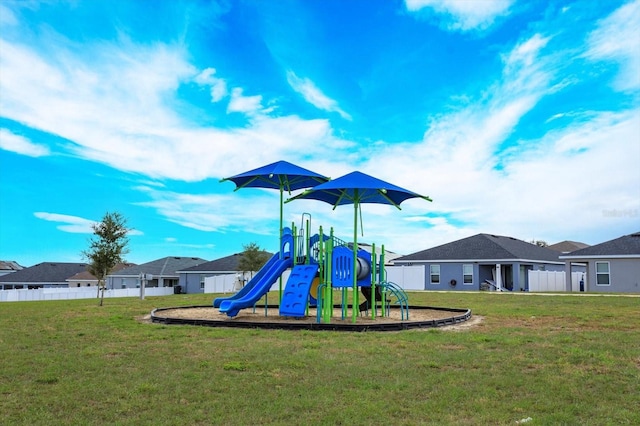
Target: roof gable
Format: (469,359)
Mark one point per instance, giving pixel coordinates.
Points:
(484,247)
(627,245)
(46,272)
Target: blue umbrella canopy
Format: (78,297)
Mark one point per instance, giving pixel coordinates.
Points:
(357,188)
(280,175)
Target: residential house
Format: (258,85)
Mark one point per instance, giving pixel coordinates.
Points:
(158,273)
(192,279)
(87,279)
(482,261)
(612,266)
(42,275)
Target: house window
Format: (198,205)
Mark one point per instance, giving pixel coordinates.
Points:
(467,274)
(434,271)
(602,273)
(201,281)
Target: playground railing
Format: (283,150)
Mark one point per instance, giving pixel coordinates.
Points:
(400,295)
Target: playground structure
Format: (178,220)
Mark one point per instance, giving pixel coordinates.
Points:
(320,266)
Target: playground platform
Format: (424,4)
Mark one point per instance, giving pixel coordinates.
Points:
(268,317)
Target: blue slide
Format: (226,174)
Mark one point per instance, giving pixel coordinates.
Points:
(258,287)
(256,278)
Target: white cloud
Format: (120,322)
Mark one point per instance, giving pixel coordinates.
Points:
(218,213)
(218,87)
(554,188)
(74,224)
(116,107)
(312,94)
(249,105)
(525,53)
(15,143)
(465,15)
(617,38)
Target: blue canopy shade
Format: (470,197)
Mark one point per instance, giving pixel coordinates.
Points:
(358,188)
(280,175)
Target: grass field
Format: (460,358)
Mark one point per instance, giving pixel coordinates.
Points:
(571,360)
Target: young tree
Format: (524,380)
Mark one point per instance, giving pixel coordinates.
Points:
(107,248)
(253,258)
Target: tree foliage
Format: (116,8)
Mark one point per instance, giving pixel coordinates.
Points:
(253,258)
(108,246)
(540,243)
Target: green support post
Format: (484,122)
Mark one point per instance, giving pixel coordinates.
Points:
(373,280)
(306,243)
(382,278)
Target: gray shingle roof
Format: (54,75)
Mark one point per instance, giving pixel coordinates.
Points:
(484,247)
(627,245)
(46,272)
(224,264)
(167,266)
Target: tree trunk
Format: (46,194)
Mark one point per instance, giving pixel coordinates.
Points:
(101,287)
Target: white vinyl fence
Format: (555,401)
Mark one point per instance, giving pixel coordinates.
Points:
(221,284)
(541,281)
(407,277)
(77,293)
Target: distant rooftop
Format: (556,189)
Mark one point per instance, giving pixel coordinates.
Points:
(567,246)
(10,266)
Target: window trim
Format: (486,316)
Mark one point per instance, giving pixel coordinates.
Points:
(608,273)
(463,274)
(432,274)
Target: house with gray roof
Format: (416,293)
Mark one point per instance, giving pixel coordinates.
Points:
(611,267)
(158,273)
(42,275)
(192,279)
(482,260)
(87,279)
(9,266)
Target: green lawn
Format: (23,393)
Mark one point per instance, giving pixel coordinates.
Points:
(557,359)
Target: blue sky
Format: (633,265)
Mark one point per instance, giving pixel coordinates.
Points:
(518,118)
